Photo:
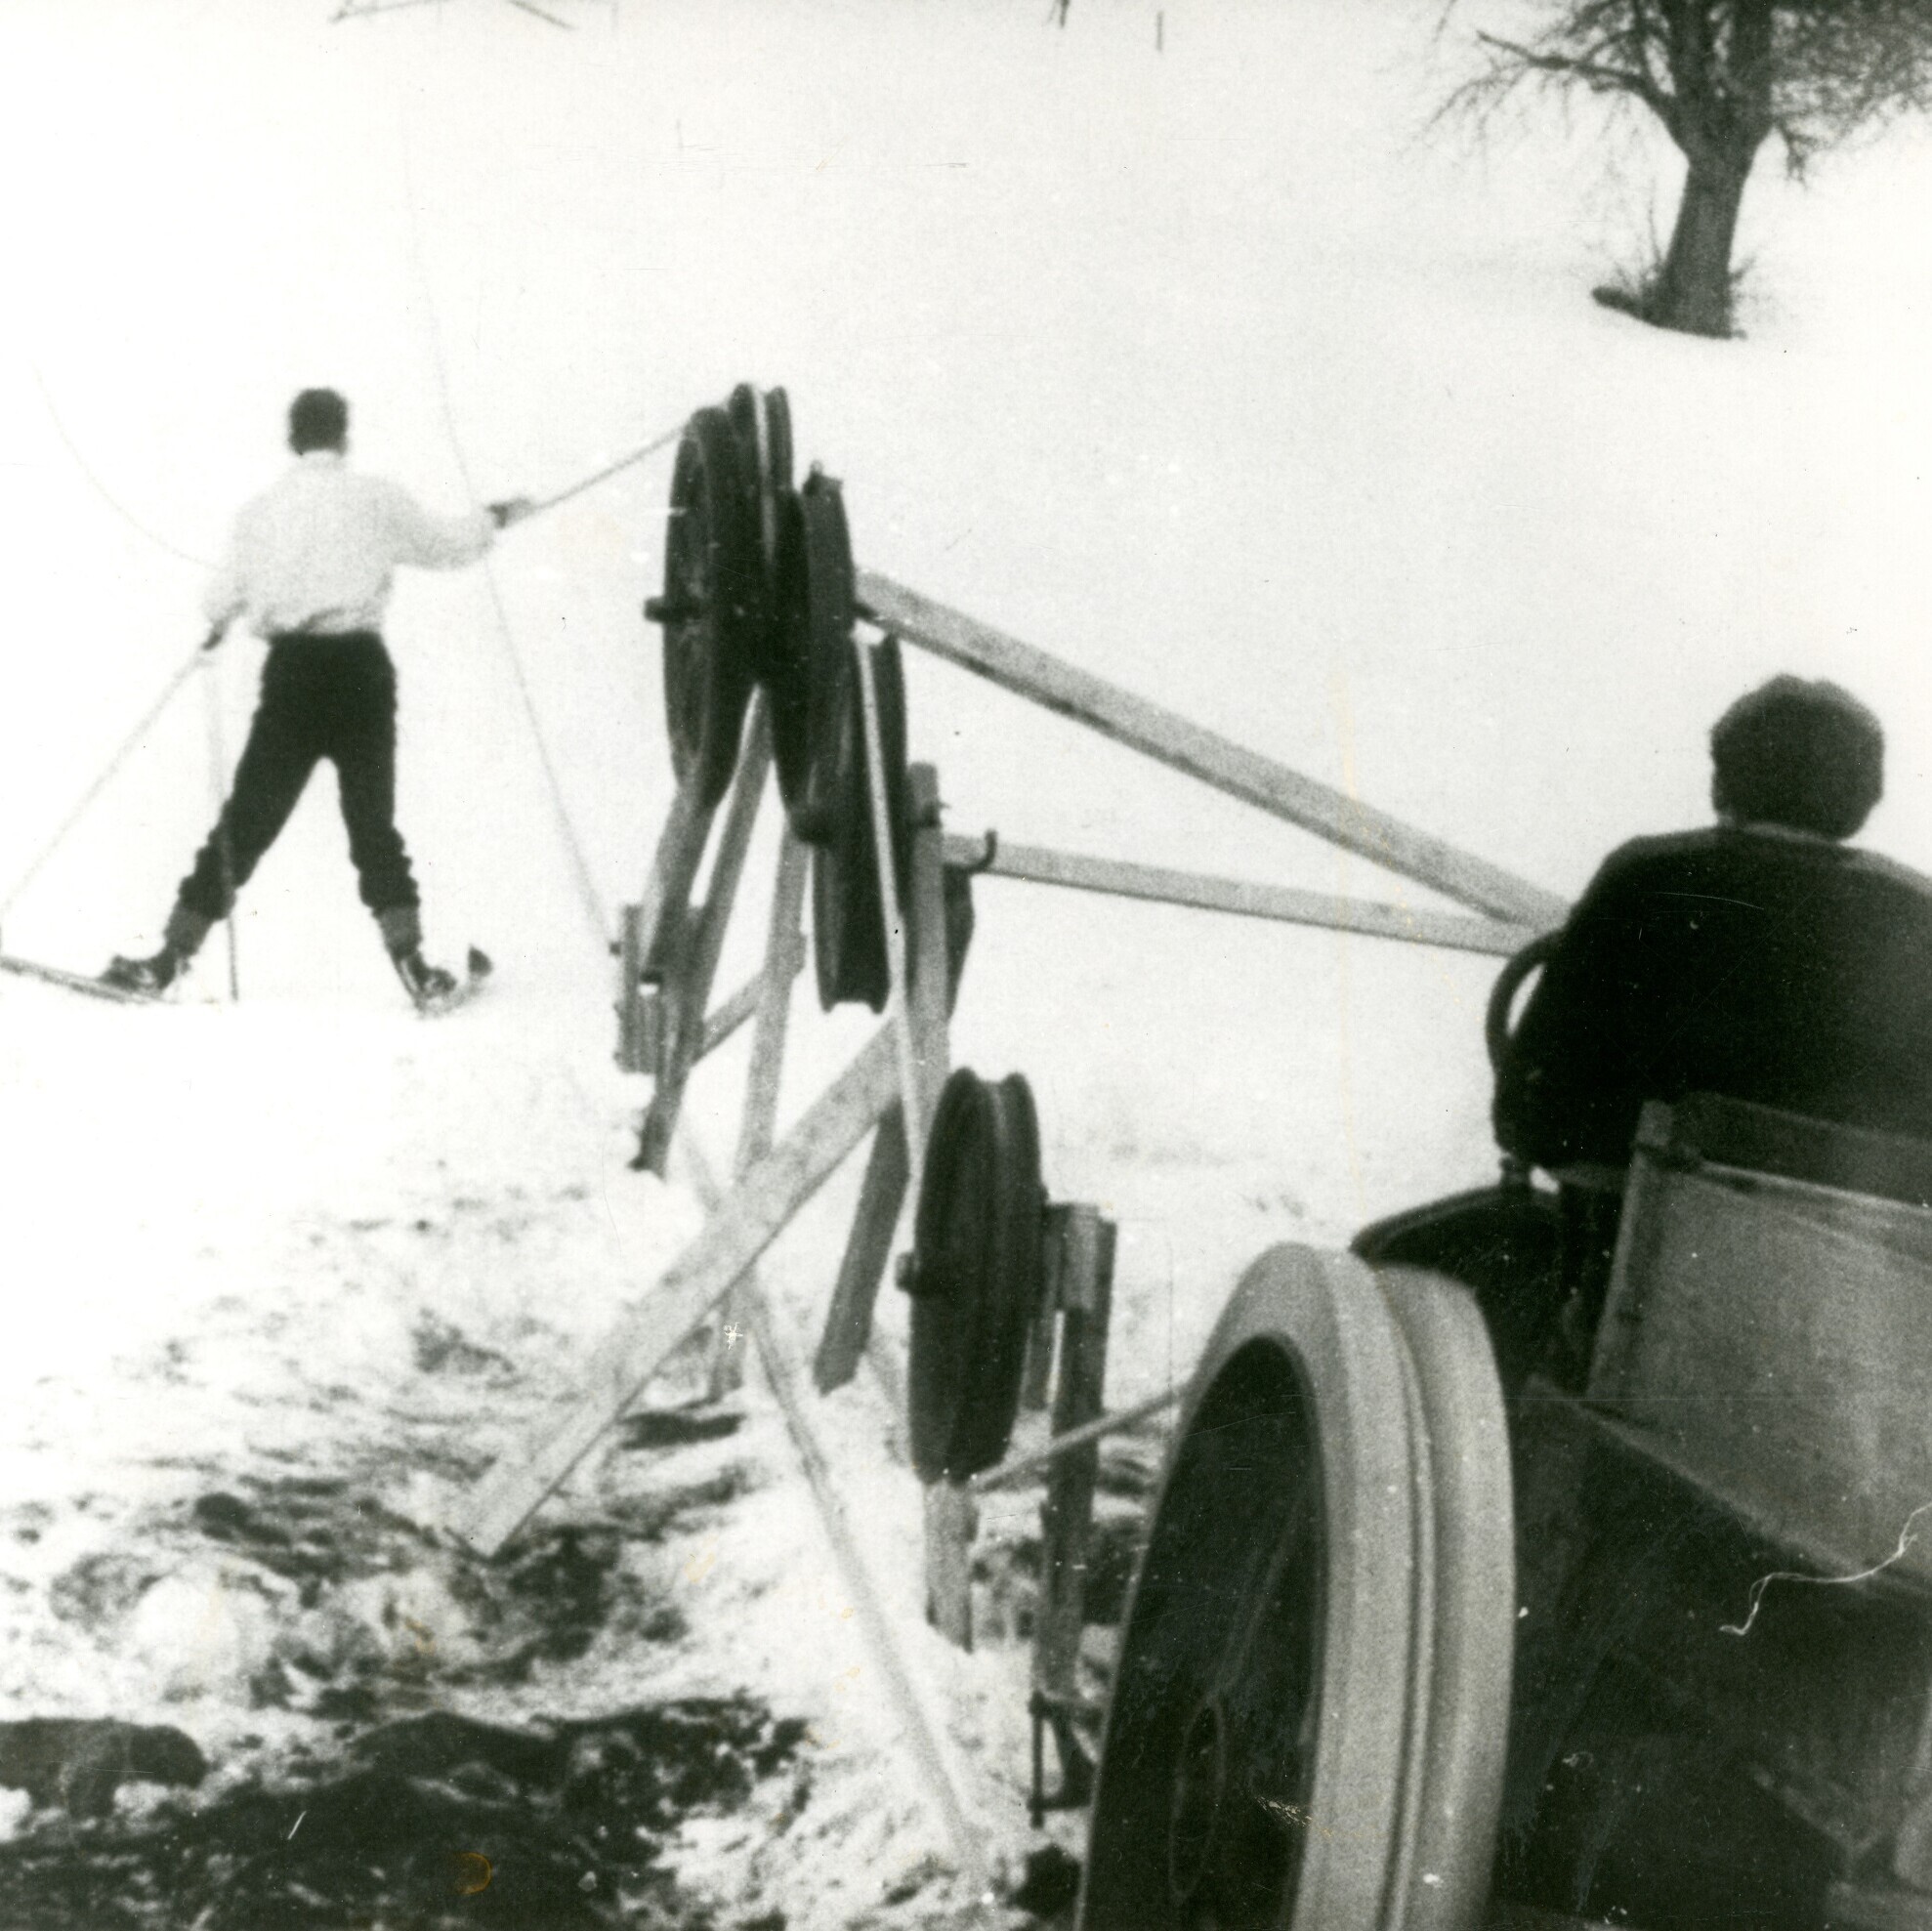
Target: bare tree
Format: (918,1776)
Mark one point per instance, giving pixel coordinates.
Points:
(1723,77)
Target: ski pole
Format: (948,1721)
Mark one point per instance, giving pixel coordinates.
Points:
(120,757)
(637,455)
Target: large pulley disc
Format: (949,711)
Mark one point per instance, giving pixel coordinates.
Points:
(976,1278)
(1460,1719)
(711,607)
(745,408)
(1251,1772)
(849,941)
(810,674)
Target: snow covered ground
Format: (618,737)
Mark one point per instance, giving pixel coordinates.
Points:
(1208,365)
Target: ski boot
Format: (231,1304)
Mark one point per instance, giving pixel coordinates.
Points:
(149,976)
(429,985)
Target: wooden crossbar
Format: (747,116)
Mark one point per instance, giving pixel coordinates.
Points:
(751,1219)
(1036,863)
(1021,1467)
(1204,754)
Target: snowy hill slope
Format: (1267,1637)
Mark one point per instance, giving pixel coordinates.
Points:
(1205,367)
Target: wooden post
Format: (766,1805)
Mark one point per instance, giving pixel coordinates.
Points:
(933,973)
(673,867)
(937,963)
(688,975)
(867,1248)
(1206,755)
(1036,1378)
(761,1099)
(633,1055)
(899,1012)
(740,1007)
(762,1203)
(1067,1514)
(952,1520)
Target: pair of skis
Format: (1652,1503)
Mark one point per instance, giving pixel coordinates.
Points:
(475,977)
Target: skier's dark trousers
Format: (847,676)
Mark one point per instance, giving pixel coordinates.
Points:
(310,567)
(330,697)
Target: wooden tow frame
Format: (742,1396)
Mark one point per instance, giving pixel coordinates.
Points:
(669,951)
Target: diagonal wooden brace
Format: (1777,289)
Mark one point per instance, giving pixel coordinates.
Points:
(941,932)
(751,1219)
(768,1057)
(1206,755)
(691,967)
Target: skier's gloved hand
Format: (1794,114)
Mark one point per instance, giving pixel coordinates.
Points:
(216,632)
(513,509)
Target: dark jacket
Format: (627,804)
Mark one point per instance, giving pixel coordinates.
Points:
(1744,961)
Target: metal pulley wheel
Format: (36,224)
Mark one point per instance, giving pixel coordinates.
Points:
(1315,1627)
(849,941)
(811,675)
(976,1274)
(711,607)
(750,424)
(778,440)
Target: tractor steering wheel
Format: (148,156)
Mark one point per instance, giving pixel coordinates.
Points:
(1502,997)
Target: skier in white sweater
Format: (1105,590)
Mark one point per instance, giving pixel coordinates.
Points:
(309,569)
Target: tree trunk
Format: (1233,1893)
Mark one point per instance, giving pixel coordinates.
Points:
(1693,290)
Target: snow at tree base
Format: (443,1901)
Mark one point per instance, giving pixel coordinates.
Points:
(1207,367)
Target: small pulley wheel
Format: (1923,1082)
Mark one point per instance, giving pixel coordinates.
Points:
(976,1279)
(745,408)
(849,943)
(1252,1769)
(711,607)
(810,674)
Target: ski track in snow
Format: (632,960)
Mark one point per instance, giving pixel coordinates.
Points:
(1206,369)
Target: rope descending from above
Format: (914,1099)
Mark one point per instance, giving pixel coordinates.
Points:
(595,911)
(129,745)
(101,490)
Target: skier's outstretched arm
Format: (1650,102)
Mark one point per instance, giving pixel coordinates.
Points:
(433,542)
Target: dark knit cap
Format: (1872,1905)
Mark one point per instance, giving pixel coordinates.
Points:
(1798,753)
(317,419)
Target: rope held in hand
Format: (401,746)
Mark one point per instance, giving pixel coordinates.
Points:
(637,455)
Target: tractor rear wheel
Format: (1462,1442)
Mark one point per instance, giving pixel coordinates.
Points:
(1308,1711)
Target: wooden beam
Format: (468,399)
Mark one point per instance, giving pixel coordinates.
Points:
(1067,1514)
(932,980)
(1039,865)
(761,1093)
(869,1246)
(938,959)
(1022,1466)
(912,1092)
(918,1734)
(732,1241)
(688,979)
(673,867)
(1204,754)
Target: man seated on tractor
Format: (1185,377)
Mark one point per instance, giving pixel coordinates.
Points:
(1763,959)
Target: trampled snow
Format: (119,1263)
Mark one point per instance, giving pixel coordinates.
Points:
(1209,364)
